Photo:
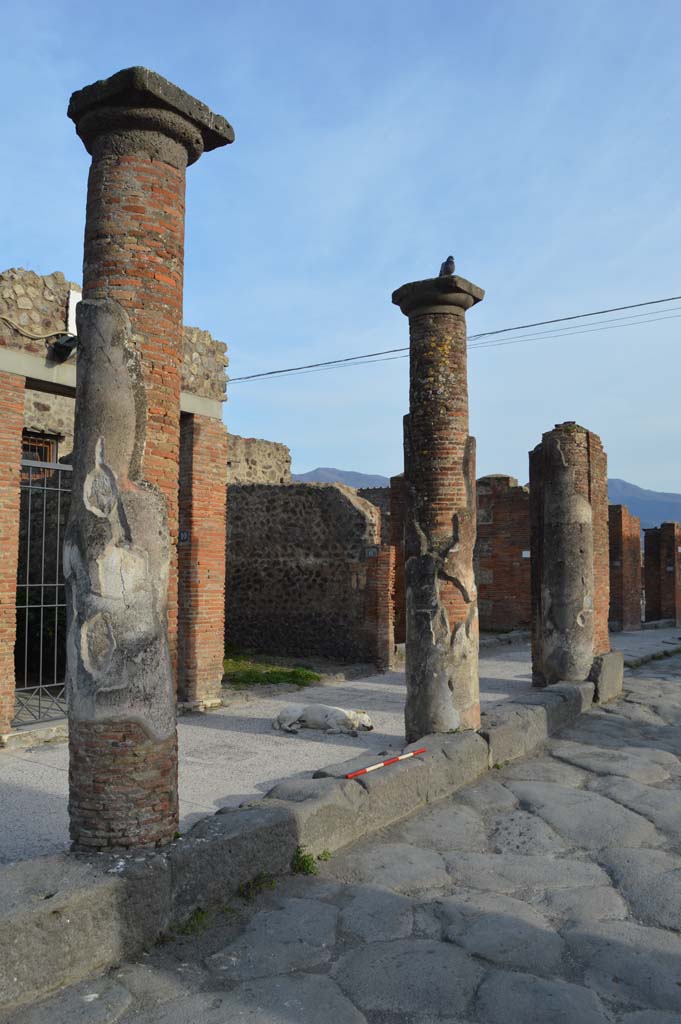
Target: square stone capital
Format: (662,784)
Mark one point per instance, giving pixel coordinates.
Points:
(438,295)
(137,99)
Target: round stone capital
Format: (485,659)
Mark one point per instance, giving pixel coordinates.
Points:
(450,294)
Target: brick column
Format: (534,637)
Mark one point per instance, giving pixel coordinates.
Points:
(11,425)
(439,462)
(625,569)
(570,556)
(663,573)
(502,553)
(201,551)
(142,132)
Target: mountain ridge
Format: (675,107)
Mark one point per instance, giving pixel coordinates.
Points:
(652,507)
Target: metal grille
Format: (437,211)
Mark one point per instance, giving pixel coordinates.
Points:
(40,651)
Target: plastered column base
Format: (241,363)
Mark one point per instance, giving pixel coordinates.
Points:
(122,786)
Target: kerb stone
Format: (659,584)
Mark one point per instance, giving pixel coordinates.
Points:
(607,673)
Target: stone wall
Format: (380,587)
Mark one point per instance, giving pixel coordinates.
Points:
(301,566)
(380,497)
(625,569)
(502,553)
(663,572)
(203,364)
(51,414)
(250,460)
(38,305)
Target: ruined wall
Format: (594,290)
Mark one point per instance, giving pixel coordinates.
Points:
(203,363)
(397,512)
(380,497)
(663,573)
(38,305)
(625,569)
(51,414)
(301,565)
(502,553)
(250,460)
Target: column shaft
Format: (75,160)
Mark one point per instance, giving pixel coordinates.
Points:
(11,425)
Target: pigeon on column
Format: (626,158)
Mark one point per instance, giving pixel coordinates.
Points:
(447,268)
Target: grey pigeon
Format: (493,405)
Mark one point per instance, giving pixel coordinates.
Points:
(447,268)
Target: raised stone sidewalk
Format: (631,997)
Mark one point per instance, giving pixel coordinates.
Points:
(548,891)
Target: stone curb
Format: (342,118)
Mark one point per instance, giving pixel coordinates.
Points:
(67,917)
(654,656)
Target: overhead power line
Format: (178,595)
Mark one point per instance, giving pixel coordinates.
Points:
(388,355)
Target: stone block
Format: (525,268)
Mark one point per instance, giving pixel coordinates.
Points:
(454,761)
(396,791)
(607,673)
(325,813)
(221,852)
(514,730)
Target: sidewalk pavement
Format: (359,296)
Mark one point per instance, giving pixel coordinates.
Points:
(232,755)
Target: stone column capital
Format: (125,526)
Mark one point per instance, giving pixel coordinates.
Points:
(450,294)
(139,111)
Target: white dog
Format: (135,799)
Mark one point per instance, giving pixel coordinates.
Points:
(321,716)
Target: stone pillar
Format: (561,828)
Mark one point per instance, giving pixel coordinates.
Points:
(569,554)
(201,550)
(502,553)
(625,569)
(663,573)
(11,425)
(119,559)
(439,468)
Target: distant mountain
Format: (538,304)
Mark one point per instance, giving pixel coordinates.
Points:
(325,475)
(652,507)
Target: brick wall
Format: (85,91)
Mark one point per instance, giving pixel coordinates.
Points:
(625,569)
(11,419)
(201,556)
(502,550)
(301,571)
(663,573)
(250,460)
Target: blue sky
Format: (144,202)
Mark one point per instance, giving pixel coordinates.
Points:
(537,141)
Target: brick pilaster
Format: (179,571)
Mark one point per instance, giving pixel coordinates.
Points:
(202,546)
(625,569)
(502,550)
(11,424)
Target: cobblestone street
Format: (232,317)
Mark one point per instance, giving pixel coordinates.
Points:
(550,891)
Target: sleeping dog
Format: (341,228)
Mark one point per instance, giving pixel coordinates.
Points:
(321,716)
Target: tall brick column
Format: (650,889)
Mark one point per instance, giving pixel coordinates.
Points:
(570,557)
(625,569)
(201,550)
(142,132)
(663,573)
(439,468)
(11,424)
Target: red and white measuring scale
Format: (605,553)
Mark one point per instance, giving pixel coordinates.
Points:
(382,764)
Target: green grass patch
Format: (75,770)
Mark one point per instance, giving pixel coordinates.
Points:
(242,671)
(249,890)
(303,863)
(196,923)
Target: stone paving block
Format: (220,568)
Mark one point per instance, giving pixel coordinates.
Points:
(409,976)
(506,998)
(662,806)
(506,931)
(544,769)
(650,1017)
(406,869)
(447,826)
(327,813)
(488,796)
(375,914)
(584,818)
(629,962)
(226,849)
(298,936)
(607,673)
(582,906)
(101,1001)
(520,832)
(510,873)
(154,986)
(298,999)
(651,882)
(608,762)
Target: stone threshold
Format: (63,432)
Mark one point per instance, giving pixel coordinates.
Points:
(64,918)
